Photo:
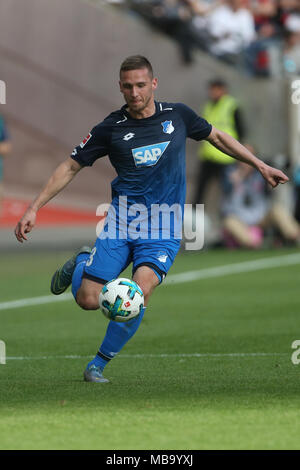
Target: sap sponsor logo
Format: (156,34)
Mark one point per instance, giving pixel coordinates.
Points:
(85,141)
(74,152)
(168,127)
(149,155)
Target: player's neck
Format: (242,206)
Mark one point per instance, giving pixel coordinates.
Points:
(148,111)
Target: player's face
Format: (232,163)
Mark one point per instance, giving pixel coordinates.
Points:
(137,87)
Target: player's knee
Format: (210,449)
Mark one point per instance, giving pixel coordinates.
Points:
(87,301)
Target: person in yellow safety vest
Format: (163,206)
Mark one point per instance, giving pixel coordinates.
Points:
(223,111)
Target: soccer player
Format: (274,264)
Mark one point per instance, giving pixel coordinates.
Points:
(145,142)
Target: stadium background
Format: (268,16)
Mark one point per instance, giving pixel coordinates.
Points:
(60,61)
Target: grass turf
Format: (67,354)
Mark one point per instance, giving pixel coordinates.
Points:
(214,401)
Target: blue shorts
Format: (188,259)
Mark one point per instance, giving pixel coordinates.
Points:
(110,257)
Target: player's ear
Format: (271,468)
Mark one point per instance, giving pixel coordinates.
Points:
(154,83)
(120,85)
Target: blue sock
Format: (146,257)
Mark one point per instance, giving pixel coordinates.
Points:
(117,335)
(78,272)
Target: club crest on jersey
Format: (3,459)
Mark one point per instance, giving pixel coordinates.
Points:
(162,257)
(168,127)
(149,155)
(85,140)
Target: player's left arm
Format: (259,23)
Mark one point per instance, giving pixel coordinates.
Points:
(235,149)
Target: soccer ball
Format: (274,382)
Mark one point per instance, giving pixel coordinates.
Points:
(121,300)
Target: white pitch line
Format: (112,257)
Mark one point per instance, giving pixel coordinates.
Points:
(46,299)
(189,276)
(245,266)
(143,356)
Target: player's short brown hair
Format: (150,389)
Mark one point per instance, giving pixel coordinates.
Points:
(135,62)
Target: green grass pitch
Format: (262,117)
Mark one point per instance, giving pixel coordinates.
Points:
(175,384)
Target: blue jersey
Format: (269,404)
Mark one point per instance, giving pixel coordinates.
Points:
(148,154)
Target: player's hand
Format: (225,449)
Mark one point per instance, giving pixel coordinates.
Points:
(273,176)
(25,225)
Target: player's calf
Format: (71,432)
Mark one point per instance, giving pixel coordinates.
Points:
(88,295)
(146,278)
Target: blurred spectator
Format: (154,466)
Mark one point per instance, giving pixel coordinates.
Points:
(264,15)
(222,111)
(259,54)
(260,36)
(174,17)
(248,210)
(288,22)
(277,46)
(231,29)
(178,19)
(5,148)
(286,8)
(291,47)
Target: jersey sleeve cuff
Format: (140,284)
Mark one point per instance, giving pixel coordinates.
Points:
(204,133)
(77,159)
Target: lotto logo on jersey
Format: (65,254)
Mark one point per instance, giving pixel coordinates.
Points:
(85,140)
(149,155)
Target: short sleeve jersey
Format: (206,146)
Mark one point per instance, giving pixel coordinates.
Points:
(148,154)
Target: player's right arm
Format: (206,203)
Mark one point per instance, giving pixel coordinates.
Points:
(62,176)
(94,146)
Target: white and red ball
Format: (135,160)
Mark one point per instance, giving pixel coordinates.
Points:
(121,299)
